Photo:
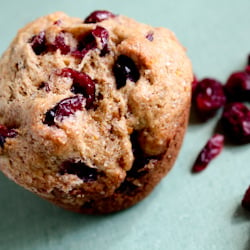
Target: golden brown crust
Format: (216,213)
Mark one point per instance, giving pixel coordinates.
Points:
(155,108)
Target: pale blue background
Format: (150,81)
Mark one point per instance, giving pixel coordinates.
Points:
(189,212)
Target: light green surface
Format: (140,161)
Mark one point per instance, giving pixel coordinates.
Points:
(185,211)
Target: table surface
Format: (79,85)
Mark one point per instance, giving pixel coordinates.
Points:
(191,212)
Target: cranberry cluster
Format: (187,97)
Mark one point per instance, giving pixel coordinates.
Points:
(208,96)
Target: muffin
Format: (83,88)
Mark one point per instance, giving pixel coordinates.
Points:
(92,112)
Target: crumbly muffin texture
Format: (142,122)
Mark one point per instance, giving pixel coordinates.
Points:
(92,112)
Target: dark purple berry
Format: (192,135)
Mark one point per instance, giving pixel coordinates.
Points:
(103,35)
(38,43)
(237,87)
(89,42)
(246,199)
(6,133)
(236,122)
(59,43)
(125,68)
(80,169)
(213,147)
(82,84)
(98,16)
(63,109)
(208,97)
(150,36)
(194,83)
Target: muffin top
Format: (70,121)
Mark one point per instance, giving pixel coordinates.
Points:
(80,99)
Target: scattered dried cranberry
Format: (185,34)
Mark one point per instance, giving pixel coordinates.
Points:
(59,43)
(194,84)
(98,16)
(6,133)
(246,199)
(125,68)
(213,147)
(82,84)
(80,169)
(237,87)
(64,108)
(236,122)
(208,97)
(150,36)
(89,42)
(38,43)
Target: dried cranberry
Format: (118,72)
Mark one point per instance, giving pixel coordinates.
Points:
(140,159)
(150,36)
(38,43)
(98,16)
(59,43)
(89,42)
(82,84)
(125,68)
(246,199)
(6,133)
(103,35)
(64,108)
(237,87)
(208,97)
(80,169)
(212,148)
(236,122)
(194,83)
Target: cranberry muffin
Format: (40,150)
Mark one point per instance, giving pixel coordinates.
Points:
(92,112)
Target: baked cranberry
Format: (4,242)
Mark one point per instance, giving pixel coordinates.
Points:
(150,36)
(212,148)
(82,84)
(208,97)
(59,43)
(64,108)
(38,43)
(98,16)
(80,169)
(140,159)
(236,122)
(89,42)
(6,133)
(246,199)
(125,68)
(103,35)
(237,87)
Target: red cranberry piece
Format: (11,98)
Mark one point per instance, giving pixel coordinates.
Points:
(194,83)
(64,108)
(98,16)
(82,84)
(150,36)
(213,147)
(6,133)
(236,122)
(38,43)
(89,42)
(103,35)
(246,199)
(125,68)
(208,97)
(80,169)
(237,87)
(59,43)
